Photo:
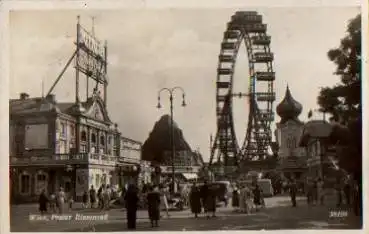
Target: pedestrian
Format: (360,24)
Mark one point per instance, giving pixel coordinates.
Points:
(153,201)
(70,201)
(92,196)
(320,190)
(85,200)
(106,198)
(164,199)
(309,191)
(257,197)
(293,191)
(60,200)
(131,204)
(204,192)
(43,201)
(347,191)
(195,200)
(315,192)
(338,188)
(235,198)
(100,197)
(211,202)
(52,202)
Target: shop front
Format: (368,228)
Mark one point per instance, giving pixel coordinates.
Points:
(27,182)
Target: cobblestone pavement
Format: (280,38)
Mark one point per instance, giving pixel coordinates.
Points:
(277,215)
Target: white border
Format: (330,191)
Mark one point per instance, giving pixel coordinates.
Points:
(8,5)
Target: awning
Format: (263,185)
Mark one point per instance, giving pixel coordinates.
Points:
(190,176)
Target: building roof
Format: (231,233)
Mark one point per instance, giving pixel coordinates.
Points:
(159,140)
(289,108)
(322,129)
(25,105)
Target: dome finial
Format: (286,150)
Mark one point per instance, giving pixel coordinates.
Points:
(289,108)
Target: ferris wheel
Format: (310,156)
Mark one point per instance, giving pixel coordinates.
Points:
(244,27)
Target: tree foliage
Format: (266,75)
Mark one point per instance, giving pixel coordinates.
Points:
(343,100)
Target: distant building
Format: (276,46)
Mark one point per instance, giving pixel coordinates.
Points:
(292,157)
(69,145)
(158,150)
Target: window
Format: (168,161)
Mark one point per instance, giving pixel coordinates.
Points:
(71,148)
(83,149)
(62,147)
(41,182)
(97,180)
(102,140)
(63,130)
(93,150)
(83,136)
(72,130)
(109,140)
(67,186)
(93,138)
(25,184)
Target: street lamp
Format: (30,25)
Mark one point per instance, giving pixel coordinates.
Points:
(171,96)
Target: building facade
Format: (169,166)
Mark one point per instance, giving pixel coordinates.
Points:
(72,146)
(187,165)
(292,157)
(321,153)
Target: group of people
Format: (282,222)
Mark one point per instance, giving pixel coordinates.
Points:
(101,198)
(56,202)
(245,197)
(203,198)
(156,196)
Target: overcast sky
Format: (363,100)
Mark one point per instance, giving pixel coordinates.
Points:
(152,49)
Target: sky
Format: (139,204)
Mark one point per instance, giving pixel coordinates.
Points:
(149,49)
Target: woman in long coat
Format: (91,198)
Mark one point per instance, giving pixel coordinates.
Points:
(131,201)
(235,198)
(43,200)
(257,196)
(211,201)
(153,201)
(195,200)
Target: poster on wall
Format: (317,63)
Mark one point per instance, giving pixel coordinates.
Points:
(36,136)
(81,181)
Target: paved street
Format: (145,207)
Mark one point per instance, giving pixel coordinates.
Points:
(278,215)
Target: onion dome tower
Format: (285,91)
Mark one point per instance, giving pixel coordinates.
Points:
(289,108)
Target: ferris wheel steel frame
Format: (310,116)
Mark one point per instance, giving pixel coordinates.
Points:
(244,27)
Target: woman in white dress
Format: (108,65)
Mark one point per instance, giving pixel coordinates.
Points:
(243,199)
(164,199)
(60,199)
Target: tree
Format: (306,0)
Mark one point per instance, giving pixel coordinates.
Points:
(343,100)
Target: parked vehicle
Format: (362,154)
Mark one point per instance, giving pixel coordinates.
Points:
(265,185)
(176,202)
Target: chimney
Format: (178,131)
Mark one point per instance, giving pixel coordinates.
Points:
(24,96)
(51,98)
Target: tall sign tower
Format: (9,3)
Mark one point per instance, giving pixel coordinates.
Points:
(90,58)
(91,61)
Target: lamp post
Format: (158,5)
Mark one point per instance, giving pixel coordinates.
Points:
(171,97)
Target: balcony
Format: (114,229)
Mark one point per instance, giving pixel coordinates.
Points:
(63,159)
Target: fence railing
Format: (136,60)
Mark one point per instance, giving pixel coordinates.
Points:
(68,158)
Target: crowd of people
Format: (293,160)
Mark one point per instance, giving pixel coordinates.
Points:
(62,201)
(201,198)
(246,198)
(346,190)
